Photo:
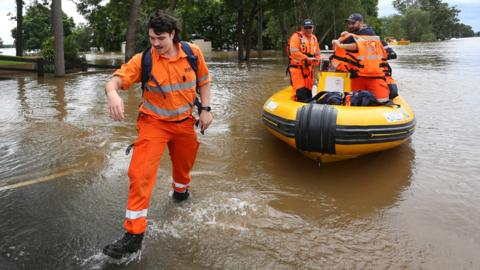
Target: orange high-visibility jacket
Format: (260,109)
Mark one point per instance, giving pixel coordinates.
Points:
(300,47)
(175,98)
(366,62)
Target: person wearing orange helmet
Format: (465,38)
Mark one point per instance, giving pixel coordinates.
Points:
(304,55)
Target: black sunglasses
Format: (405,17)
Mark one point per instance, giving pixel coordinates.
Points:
(307,27)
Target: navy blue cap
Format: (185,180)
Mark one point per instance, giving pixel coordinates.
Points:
(307,22)
(355,17)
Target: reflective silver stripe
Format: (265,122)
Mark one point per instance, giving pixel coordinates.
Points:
(366,38)
(136,214)
(374,57)
(204,78)
(294,50)
(172,87)
(178,185)
(381,100)
(370,57)
(165,112)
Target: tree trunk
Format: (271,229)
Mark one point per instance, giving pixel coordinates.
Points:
(172,6)
(251,18)
(19,33)
(284,31)
(132,30)
(240,31)
(57,23)
(260,33)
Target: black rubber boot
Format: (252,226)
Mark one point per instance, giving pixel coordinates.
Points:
(180,196)
(130,243)
(304,94)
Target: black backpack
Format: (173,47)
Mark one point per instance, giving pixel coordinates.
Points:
(363,98)
(330,98)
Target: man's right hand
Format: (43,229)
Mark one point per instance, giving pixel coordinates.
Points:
(116,109)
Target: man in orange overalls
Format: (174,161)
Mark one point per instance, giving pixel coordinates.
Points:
(165,119)
(304,53)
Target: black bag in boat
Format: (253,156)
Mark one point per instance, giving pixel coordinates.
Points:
(330,98)
(363,98)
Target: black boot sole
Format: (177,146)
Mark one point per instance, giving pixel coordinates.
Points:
(113,254)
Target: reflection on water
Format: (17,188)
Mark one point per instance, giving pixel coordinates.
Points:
(252,196)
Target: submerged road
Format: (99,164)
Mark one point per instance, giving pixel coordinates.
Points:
(256,203)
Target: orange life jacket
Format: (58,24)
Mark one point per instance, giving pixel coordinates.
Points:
(366,62)
(307,48)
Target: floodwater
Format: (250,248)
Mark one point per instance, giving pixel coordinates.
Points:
(256,203)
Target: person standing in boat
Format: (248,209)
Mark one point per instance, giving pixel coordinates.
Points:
(170,72)
(364,55)
(304,55)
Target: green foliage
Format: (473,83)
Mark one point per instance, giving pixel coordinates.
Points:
(83,35)
(417,24)
(462,30)
(393,26)
(72,59)
(37,25)
(443,20)
(428,37)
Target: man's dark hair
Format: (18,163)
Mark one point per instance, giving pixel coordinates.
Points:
(163,22)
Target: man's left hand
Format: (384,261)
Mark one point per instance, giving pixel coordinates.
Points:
(205,120)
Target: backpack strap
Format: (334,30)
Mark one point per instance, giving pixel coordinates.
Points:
(146,66)
(192,60)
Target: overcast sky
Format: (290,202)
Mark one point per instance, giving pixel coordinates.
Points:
(470,11)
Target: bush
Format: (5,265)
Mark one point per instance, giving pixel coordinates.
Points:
(428,37)
(72,58)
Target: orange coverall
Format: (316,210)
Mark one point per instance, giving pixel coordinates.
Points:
(302,71)
(165,119)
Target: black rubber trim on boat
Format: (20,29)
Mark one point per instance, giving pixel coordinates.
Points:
(281,125)
(316,128)
(374,134)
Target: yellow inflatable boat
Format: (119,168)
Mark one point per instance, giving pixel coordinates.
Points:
(327,133)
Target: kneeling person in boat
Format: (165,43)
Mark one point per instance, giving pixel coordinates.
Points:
(364,55)
(304,55)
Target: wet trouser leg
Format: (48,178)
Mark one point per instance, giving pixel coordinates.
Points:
(153,135)
(377,86)
(302,92)
(147,152)
(183,151)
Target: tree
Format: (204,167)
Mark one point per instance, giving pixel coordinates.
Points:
(462,30)
(260,32)
(417,25)
(1,43)
(132,30)
(393,26)
(58,36)
(19,34)
(83,36)
(37,26)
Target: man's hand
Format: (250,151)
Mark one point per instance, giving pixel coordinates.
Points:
(115,107)
(205,120)
(115,103)
(335,43)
